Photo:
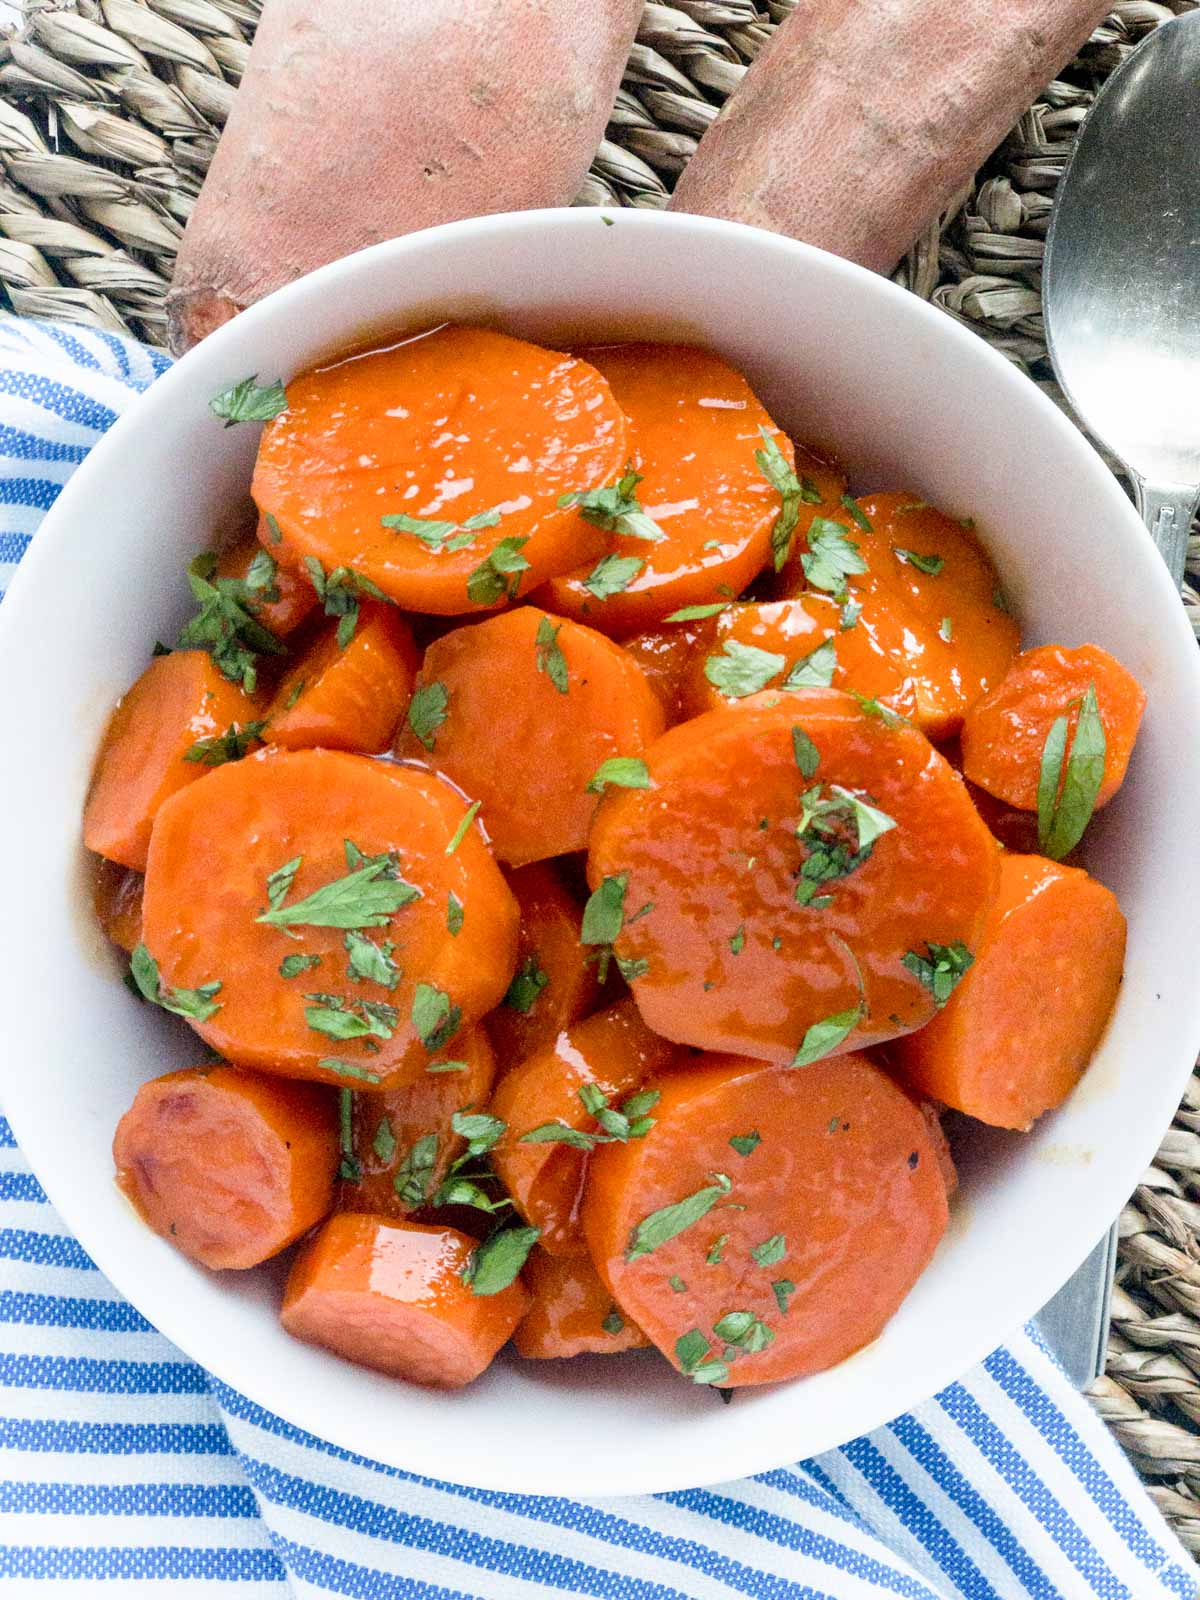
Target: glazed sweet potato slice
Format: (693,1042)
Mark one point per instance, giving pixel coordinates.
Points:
(694,428)
(572,1313)
(434,469)
(782,886)
(391,1295)
(320,891)
(229,1166)
(153,747)
(608,1056)
(520,712)
(401,1143)
(1005,734)
(1014,1038)
(556,982)
(771,1221)
(347,696)
(665,654)
(117,901)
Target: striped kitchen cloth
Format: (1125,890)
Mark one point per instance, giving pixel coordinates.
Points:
(125,1469)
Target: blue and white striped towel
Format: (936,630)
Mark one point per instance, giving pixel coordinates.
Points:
(127,1470)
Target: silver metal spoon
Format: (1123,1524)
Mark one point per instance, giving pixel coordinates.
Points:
(1121,299)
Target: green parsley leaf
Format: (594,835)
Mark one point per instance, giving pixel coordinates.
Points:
(604,913)
(1000,601)
(698,613)
(807,756)
(527,984)
(550,658)
(770,1250)
(224,624)
(384,1142)
(931,565)
(713,1258)
(1067,799)
(414,1175)
(623,772)
(793,493)
(498,575)
(743,669)
(371,962)
(261,575)
(677,1283)
(614,1322)
(815,670)
(339,592)
(294,693)
(194,1004)
(744,1331)
(427,711)
(447,1066)
(448,536)
(840,831)
(691,1351)
(560,1133)
(293,966)
(274,531)
(669,1221)
(941,969)
(454,915)
(433,1016)
(365,898)
(745,1143)
(480,1130)
(231,745)
(611,575)
(350,1168)
(831,557)
(783,1289)
(249,401)
(850,504)
(463,1192)
(876,710)
(946,630)
(356,1020)
(629,968)
(825,1036)
(496,1262)
(348,1069)
(460,833)
(738,942)
(615,508)
(851,611)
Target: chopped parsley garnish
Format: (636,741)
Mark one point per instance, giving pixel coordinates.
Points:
(454,914)
(670,1221)
(294,693)
(815,670)
(825,1036)
(617,1126)
(850,504)
(249,401)
(427,711)
(527,984)
(1068,783)
(550,658)
(604,913)
(495,1263)
(384,1142)
(274,531)
(339,592)
(434,1017)
(447,1066)
(224,624)
(738,942)
(371,962)
(692,1352)
(878,712)
(415,1173)
(231,745)
(744,1331)
(807,756)
(339,1018)
(1000,600)
(941,969)
(480,1130)
(831,557)
(615,508)
(840,831)
(946,629)
(460,833)
(293,966)
(744,1143)
(611,575)
(698,613)
(347,1069)
(783,1289)
(448,536)
(613,1323)
(623,772)
(743,669)
(349,1168)
(793,493)
(716,1250)
(851,611)
(677,1283)
(197,1005)
(930,565)
(364,898)
(770,1251)
(498,575)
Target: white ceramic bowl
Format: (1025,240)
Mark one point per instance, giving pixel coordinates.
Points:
(909,399)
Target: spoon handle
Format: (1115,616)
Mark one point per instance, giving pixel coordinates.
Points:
(1167,510)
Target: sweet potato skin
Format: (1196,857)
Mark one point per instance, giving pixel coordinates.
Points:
(460,111)
(860,119)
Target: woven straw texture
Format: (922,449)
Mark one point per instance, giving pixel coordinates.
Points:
(109,113)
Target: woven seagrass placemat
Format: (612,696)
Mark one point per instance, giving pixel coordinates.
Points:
(109,113)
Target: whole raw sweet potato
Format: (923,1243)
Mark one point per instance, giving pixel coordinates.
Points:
(860,120)
(358,122)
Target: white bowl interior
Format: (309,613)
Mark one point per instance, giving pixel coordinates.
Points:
(908,399)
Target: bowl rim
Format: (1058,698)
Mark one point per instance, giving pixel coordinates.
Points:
(36,569)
